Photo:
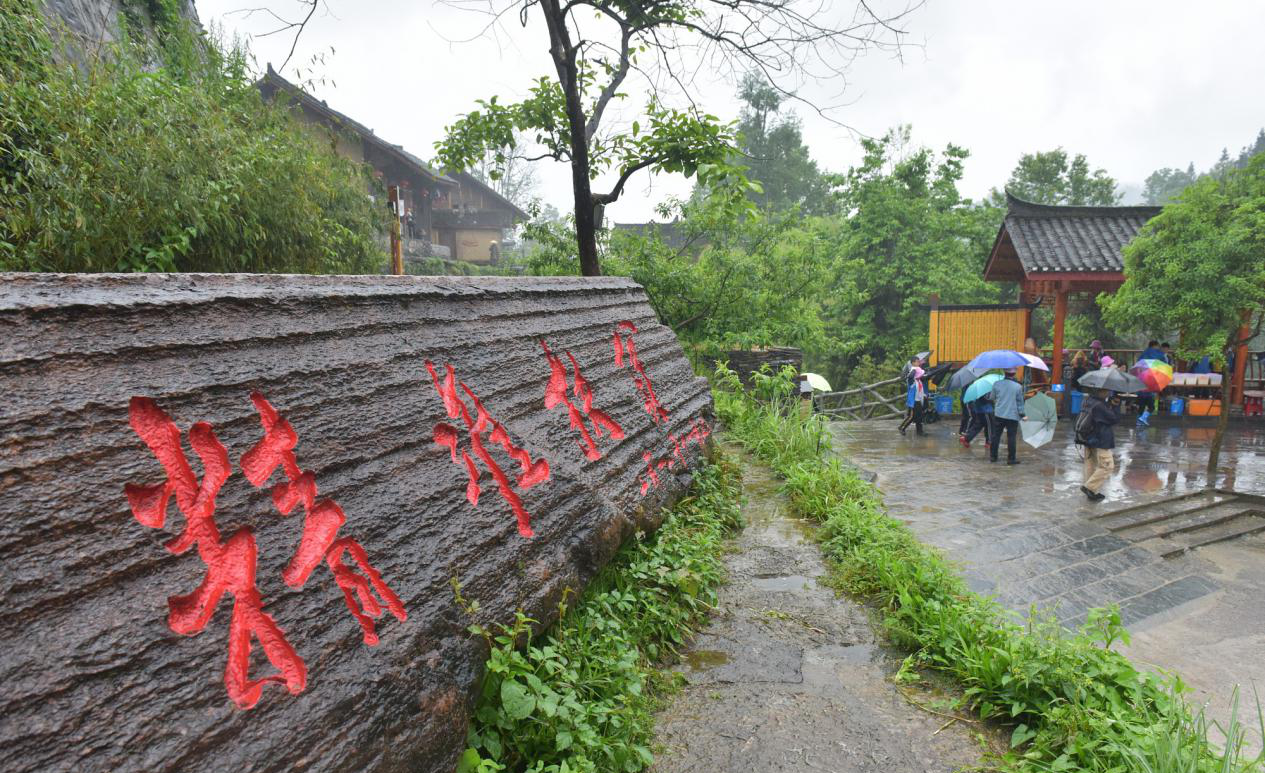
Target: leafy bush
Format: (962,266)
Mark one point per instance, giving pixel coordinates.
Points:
(1073,703)
(112,165)
(580,696)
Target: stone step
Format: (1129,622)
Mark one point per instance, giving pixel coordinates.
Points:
(1185,521)
(1072,607)
(1161,511)
(1247,524)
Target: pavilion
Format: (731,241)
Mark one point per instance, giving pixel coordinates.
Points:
(1053,251)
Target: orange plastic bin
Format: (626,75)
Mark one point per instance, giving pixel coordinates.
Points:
(1203,407)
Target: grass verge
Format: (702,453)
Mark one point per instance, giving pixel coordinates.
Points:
(1073,703)
(580,696)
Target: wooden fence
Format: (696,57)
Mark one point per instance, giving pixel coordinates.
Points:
(881,400)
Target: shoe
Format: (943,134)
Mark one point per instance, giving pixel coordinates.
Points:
(965,443)
(1099,497)
(921,432)
(1092,495)
(992,459)
(902,430)
(1012,462)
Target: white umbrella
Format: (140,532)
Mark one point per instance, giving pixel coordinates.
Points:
(1042,415)
(817,382)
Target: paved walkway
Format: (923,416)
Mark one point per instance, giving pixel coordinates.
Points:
(788,677)
(1026,535)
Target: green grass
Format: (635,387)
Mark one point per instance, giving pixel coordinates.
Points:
(1071,701)
(581,695)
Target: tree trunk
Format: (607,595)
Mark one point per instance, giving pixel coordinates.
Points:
(1214,454)
(563,53)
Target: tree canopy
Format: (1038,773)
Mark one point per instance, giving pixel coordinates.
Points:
(771,146)
(595,45)
(1052,177)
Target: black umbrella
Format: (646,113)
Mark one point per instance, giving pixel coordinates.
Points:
(964,377)
(924,355)
(1112,379)
(934,375)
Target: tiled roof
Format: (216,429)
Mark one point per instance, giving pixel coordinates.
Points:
(1055,238)
(354,126)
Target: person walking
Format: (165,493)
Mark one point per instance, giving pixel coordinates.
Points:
(981,421)
(1007,411)
(915,397)
(1095,431)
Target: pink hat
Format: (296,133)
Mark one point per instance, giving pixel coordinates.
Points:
(1106,361)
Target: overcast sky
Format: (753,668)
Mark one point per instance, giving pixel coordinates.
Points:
(1132,85)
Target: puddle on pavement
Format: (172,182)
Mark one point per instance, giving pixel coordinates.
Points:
(783,583)
(700,660)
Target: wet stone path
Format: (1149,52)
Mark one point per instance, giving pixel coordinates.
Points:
(789,677)
(1027,536)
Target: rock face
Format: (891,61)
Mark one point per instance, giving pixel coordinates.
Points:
(328,503)
(85,26)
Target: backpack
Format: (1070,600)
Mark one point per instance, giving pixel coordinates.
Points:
(1084,426)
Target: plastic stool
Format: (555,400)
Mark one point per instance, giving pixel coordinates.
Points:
(1252,403)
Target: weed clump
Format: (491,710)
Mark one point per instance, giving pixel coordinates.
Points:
(580,697)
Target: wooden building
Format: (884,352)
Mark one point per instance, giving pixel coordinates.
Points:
(472,220)
(466,218)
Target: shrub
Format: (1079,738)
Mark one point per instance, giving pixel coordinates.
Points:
(113,165)
(580,696)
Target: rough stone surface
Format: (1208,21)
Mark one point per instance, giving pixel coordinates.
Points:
(85,26)
(91,675)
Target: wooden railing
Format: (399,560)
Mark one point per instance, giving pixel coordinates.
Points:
(868,402)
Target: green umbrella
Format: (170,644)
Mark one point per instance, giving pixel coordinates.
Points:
(1042,415)
(981,387)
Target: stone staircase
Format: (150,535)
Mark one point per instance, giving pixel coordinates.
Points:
(1180,524)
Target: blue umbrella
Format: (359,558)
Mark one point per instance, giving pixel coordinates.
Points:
(981,387)
(998,358)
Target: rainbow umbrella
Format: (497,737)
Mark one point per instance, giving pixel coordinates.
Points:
(1155,374)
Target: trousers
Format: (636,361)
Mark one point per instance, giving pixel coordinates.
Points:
(1099,464)
(1010,427)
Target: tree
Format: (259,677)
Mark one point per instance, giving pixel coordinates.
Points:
(1163,185)
(1051,178)
(513,178)
(772,148)
(909,233)
(595,45)
(1197,267)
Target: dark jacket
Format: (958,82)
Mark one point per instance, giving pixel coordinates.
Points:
(1104,416)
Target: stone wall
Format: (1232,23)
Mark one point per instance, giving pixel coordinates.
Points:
(326,507)
(746,362)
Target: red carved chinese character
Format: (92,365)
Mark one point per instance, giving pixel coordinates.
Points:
(230,565)
(641,379)
(321,523)
(556,392)
(530,472)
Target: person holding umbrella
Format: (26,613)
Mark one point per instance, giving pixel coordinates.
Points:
(1095,431)
(914,398)
(1007,397)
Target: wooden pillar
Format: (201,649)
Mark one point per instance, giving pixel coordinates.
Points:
(1240,362)
(933,328)
(1060,317)
(397,250)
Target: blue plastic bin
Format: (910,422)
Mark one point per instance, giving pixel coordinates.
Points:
(944,404)
(1176,406)
(1077,398)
